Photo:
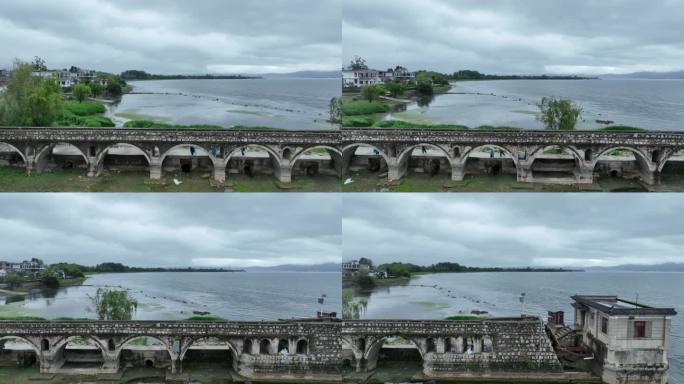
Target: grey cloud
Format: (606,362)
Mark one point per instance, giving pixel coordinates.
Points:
(174,36)
(502,36)
(514,230)
(191,230)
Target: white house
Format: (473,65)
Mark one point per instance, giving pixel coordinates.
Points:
(629,340)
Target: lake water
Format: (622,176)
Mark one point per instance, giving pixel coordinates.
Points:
(296,104)
(649,104)
(245,296)
(428,297)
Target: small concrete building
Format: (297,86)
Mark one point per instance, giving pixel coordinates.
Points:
(630,340)
(353,268)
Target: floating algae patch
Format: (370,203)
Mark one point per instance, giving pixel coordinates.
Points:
(17,309)
(132,115)
(258,113)
(430,304)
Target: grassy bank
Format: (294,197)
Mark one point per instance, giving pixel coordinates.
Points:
(16,180)
(87,114)
(371,182)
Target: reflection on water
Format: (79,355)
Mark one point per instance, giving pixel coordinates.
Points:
(176,296)
(296,104)
(649,104)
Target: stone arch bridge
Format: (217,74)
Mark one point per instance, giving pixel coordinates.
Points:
(525,150)
(34,146)
(281,349)
(456,348)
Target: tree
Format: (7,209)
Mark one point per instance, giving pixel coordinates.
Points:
(352,309)
(13,281)
(30,101)
(39,64)
(358,63)
(424,87)
(396,88)
(373,92)
(114,305)
(366,261)
(49,281)
(96,89)
(559,114)
(114,89)
(81,92)
(335,110)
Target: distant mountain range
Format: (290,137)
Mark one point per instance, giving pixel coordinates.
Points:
(647,76)
(304,75)
(667,267)
(326,267)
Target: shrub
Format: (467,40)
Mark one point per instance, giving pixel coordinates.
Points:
(409,125)
(357,121)
(559,114)
(622,128)
(362,107)
(141,124)
(84,109)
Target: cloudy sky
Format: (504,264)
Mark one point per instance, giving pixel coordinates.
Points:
(163,230)
(510,36)
(174,36)
(555,230)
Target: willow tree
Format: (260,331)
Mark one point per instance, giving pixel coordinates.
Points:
(30,101)
(113,305)
(559,114)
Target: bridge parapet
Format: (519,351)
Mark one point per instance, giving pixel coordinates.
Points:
(281,349)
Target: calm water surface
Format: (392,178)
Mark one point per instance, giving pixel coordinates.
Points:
(649,104)
(174,296)
(441,295)
(297,104)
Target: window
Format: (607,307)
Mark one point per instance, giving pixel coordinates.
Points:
(639,329)
(604,325)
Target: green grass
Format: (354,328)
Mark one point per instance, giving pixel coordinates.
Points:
(86,115)
(84,109)
(357,121)
(363,107)
(622,128)
(258,128)
(205,318)
(409,125)
(64,318)
(142,124)
(16,180)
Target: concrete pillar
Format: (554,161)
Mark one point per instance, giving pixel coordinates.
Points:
(219,172)
(457,170)
(394,170)
(92,166)
(176,365)
(524,171)
(111,361)
(155,168)
(585,173)
(284,171)
(30,164)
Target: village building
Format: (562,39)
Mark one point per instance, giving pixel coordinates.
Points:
(630,340)
(353,268)
(358,74)
(32,266)
(69,78)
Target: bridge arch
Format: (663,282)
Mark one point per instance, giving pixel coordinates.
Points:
(122,345)
(33,346)
(498,163)
(103,154)
(404,158)
(194,152)
(349,152)
(372,353)
(334,153)
(248,164)
(233,352)
(642,160)
(17,150)
(302,347)
(47,150)
(565,166)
